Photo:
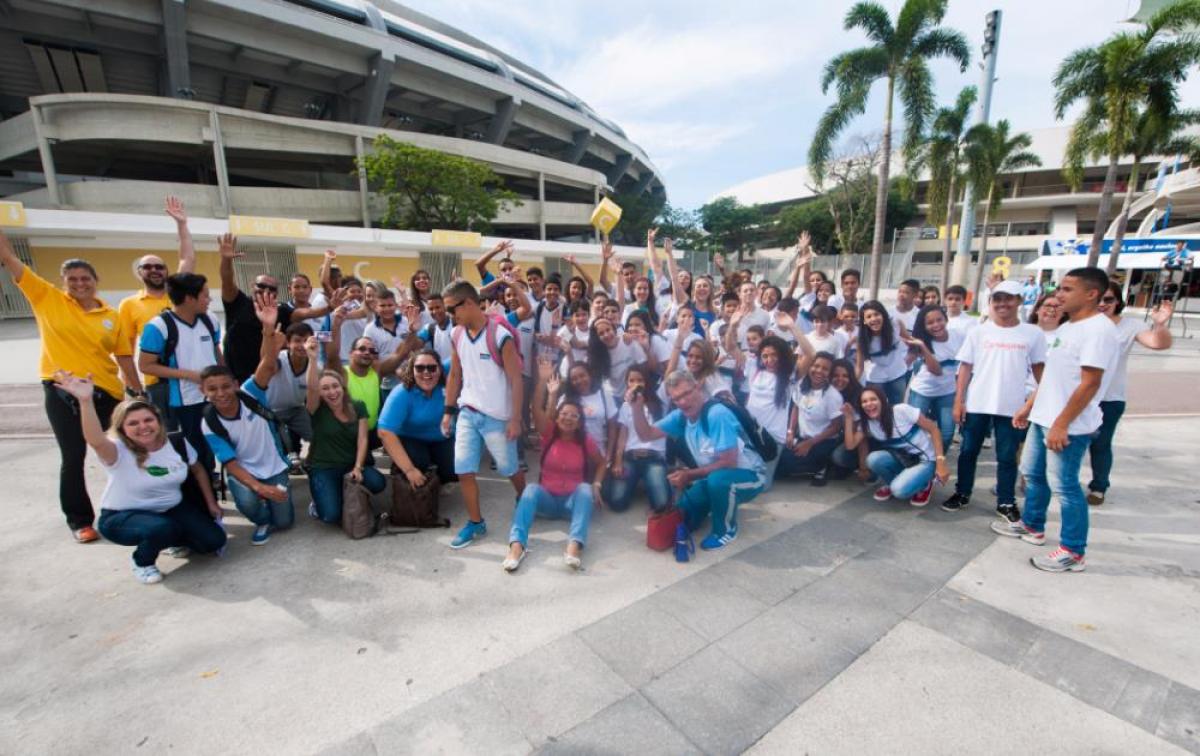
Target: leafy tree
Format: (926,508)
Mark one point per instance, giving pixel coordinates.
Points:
(942,156)
(683,226)
(848,191)
(812,216)
(899,54)
(427,189)
(990,153)
(1113,79)
(638,214)
(731,226)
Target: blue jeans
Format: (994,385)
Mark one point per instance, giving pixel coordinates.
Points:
(893,389)
(186,524)
(939,409)
(1008,439)
(905,482)
(536,500)
(651,470)
(847,459)
(1050,473)
(719,494)
(1101,450)
(325,484)
(475,430)
(260,511)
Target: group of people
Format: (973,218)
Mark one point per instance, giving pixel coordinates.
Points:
(701,391)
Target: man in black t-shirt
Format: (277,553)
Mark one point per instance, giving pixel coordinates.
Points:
(243,331)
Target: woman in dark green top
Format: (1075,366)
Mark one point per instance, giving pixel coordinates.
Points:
(339,442)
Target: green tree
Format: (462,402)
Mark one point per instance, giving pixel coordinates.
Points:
(638,214)
(942,156)
(899,54)
(1113,79)
(812,216)
(990,153)
(427,189)
(731,226)
(683,226)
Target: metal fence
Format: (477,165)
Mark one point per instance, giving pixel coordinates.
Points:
(443,267)
(278,260)
(13,303)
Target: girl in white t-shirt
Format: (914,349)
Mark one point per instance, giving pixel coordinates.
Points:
(640,330)
(573,336)
(882,357)
(151,502)
(823,337)
(610,356)
(635,461)
(906,460)
(1047,315)
(701,361)
(815,423)
(597,404)
(934,352)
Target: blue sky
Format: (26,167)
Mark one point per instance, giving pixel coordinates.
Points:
(720,92)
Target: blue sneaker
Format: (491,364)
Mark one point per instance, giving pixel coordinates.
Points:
(261,535)
(468,534)
(714,541)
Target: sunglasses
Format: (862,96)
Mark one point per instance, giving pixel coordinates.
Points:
(450,308)
(426,368)
(265,287)
(367,350)
(153,266)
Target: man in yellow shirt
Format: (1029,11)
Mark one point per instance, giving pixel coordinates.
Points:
(80,335)
(136,310)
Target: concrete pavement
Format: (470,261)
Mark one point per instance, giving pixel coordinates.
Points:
(834,624)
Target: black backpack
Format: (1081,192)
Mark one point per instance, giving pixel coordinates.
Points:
(761,441)
(172,341)
(214,421)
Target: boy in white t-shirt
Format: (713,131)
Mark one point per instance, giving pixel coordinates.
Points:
(957,318)
(484,389)
(1063,414)
(993,363)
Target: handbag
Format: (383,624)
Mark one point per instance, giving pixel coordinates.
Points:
(661,527)
(415,507)
(358,519)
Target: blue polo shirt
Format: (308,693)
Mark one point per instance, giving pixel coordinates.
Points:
(410,414)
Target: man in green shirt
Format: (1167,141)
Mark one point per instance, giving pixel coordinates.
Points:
(363,373)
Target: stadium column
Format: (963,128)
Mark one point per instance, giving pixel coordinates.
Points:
(46,156)
(624,160)
(379,81)
(582,139)
(643,182)
(218,143)
(174,23)
(502,121)
(541,206)
(363,196)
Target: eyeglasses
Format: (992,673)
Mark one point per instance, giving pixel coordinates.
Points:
(426,368)
(450,308)
(153,266)
(367,350)
(265,287)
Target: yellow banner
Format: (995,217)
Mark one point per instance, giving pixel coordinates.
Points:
(12,214)
(249,225)
(441,237)
(942,232)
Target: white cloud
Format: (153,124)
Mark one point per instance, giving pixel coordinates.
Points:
(671,143)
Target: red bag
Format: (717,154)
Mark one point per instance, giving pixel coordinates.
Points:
(660,528)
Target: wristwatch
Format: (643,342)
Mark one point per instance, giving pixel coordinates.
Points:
(450,410)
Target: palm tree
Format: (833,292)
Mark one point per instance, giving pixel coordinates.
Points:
(1153,136)
(1128,70)
(991,153)
(900,54)
(942,156)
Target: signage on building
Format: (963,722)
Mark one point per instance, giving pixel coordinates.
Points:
(12,214)
(440,237)
(250,225)
(1128,246)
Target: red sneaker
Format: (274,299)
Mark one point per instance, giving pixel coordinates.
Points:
(921,498)
(883,493)
(86,535)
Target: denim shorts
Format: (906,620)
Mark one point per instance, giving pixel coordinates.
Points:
(475,430)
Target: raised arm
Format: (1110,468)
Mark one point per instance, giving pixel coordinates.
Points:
(851,431)
(548,381)
(645,430)
(227,247)
(312,392)
(9,259)
(679,296)
(1159,335)
(919,349)
(652,256)
(606,256)
(587,277)
(803,263)
(333,347)
(187,250)
(326,272)
(267,310)
(84,390)
(482,263)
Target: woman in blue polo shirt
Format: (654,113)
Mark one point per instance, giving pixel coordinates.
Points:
(410,425)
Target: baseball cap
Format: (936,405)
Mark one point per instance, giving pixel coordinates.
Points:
(1011,288)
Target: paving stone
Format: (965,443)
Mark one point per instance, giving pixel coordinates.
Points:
(830,538)
(764,574)
(631,725)
(722,707)
(792,658)
(1092,676)
(1143,699)
(838,612)
(641,641)
(1180,722)
(979,626)
(926,550)
(465,719)
(359,745)
(709,602)
(551,689)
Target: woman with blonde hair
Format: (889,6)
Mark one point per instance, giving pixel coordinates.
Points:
(158,495)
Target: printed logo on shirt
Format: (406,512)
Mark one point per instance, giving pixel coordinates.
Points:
(1056,344)
(108,324)
(205,337)
(157,471)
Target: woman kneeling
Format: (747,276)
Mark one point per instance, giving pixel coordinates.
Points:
(569,460)
(151,501)
(908,458)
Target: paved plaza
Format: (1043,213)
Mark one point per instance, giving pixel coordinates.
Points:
(834,624)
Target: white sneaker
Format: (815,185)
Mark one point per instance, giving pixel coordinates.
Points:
(572,561)
(146,575)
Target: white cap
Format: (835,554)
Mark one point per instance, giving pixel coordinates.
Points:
(1012,288)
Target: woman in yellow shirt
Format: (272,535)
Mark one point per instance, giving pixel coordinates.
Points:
(81,335)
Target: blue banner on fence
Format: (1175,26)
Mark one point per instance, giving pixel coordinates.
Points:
(1128,246)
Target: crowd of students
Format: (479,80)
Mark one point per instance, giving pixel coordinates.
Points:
(699,391)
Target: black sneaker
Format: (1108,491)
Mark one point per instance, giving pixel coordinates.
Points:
(819,478)
(956,502)
(1008,511)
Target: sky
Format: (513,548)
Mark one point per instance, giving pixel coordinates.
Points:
(720,92)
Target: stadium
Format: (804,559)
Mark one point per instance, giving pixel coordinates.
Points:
(258,108)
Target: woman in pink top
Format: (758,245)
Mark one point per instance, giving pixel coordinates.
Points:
(569,460)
